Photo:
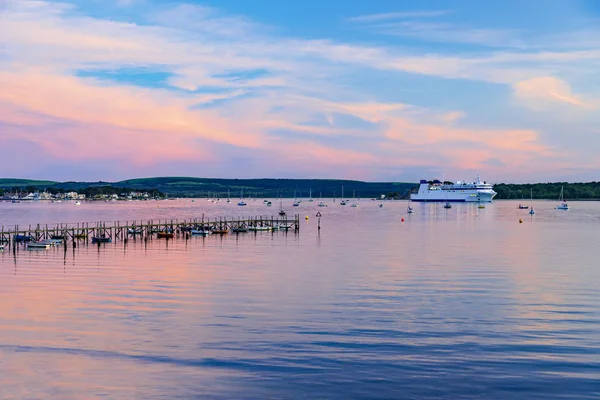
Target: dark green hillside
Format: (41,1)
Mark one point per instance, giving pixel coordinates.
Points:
(7,183)
(183,186)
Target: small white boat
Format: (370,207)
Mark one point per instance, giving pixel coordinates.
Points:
(269,204)
(77,203)
(259,228)
(447,205)
(200,232)
(321,204)
(296,203)
(563,203)
(342,203)
(408,209)
(38,246)
(242,203)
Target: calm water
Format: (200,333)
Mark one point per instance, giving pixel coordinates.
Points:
(460,303)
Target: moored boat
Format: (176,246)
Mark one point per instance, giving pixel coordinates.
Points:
(100,239)
(165,235)
(259,228)
(563,203)
(38,245)
(200,232)
(22,238)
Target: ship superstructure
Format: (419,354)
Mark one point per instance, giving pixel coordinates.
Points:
(461,191)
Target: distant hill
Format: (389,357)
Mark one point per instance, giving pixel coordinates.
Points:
(188,187)
(10,182)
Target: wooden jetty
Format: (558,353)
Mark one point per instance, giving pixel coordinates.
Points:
(123,230)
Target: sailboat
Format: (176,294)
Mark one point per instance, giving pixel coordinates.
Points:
(522,206)
(321,204)
(353,197)
(310,199)
(296,202)
(228,199)
(281,211)
(342,202)
(447,205)
(242,202)
(562,202)
(531,212)
(408,208)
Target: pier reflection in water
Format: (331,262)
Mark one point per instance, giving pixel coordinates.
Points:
(450,303)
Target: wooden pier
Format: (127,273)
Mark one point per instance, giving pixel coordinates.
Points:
(146,230)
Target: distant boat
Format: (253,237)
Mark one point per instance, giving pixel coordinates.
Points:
(531,212)
(165,235)
(321,203)
(242,202)
(408,208)
(259,228)
(353,199)
(22,238)
(381,206)
(101,239)
(563,203)
(77,203)
(15,201)
(310,199)
(200,232)
(269,204)
(281,212)
(523,207)
(239,230)
(447,205)
(38,245)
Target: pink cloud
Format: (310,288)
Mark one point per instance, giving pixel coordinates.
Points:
(546,91)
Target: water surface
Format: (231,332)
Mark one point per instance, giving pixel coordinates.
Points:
(459,303)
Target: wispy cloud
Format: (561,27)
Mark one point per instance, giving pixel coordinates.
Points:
(399,15)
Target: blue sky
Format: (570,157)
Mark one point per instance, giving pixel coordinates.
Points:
(377,90)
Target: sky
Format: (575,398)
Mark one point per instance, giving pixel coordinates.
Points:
(379,90)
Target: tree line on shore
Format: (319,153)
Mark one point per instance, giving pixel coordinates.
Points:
(89,192)
(572,191)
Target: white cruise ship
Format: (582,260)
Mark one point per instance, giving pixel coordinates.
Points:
(460,191)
